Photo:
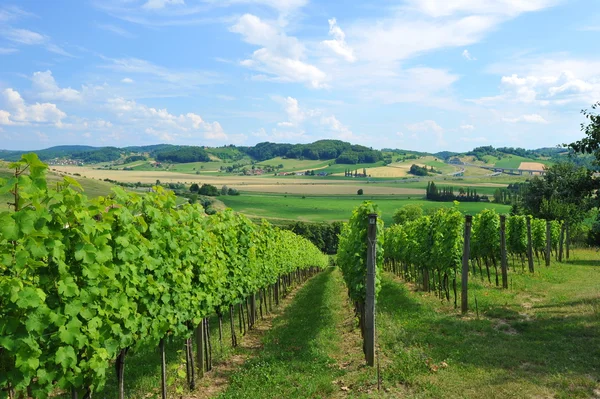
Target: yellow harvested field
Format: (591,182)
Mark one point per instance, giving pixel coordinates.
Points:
(532,166)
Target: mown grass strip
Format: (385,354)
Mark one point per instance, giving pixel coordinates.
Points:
(540,339)
(302,355)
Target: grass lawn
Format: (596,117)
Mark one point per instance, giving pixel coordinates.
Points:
(539,339)
(331,208)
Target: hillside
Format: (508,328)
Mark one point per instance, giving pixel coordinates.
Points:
(281,157)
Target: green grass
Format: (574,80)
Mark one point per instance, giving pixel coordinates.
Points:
(512,161)
(295,164)
(331,208)
(541,338)
(297,360)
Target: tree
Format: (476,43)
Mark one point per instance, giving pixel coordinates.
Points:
(209,189)
(591,143)
(360,191)
(194,188)
(224,190)
(407,213)
(565,192)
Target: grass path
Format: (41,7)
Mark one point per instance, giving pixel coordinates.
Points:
(540,340)
(312,351)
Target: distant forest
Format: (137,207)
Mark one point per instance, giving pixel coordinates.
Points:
(340,152)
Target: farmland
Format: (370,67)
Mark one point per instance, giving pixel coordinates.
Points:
(327,208)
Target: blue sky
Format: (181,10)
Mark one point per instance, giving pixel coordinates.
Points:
(426,75)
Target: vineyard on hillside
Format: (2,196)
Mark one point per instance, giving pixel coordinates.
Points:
(83,282)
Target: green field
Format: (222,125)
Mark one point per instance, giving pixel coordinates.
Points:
(295,164)
(512,161)
(331,208)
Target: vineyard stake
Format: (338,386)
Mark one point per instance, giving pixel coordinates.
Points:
(529,245)
(568,238)
(370,295)
(464,304)
(560,242)
(503,261)
(163,369)
(548,242)
(200,348)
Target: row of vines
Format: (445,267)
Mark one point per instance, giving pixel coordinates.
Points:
(429,250)
(83,282)
(352,259)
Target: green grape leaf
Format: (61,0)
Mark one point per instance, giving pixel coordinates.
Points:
(65,356)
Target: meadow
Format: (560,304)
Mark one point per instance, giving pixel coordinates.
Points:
(313,208)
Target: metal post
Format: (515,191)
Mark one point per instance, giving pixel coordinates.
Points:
(503,260)
(370,294)
(529,245)
(464,305)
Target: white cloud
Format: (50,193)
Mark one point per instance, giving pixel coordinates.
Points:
(53,48)
(547,81)
(24,36)
(4,50)
(42,137)
(340,130)
(338,45)
(8,13)
(530,118)
(116,30)
(160,121)
(126,80)
(281,56)
(5,118)
(507,8)
(467,55)
(295,115)
(437,24)
(429,126)
(467,127)
(19,113)
(174,79)
(47,89)
(158,4)
(425,126)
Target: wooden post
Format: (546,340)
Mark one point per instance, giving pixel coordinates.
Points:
(163,369)
(503,259)
(548,243)
(561,242)
(200,348)
(567,238)
(464,304)
(529,245)
(370,297)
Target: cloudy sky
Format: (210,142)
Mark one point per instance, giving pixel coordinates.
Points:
(416,74)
